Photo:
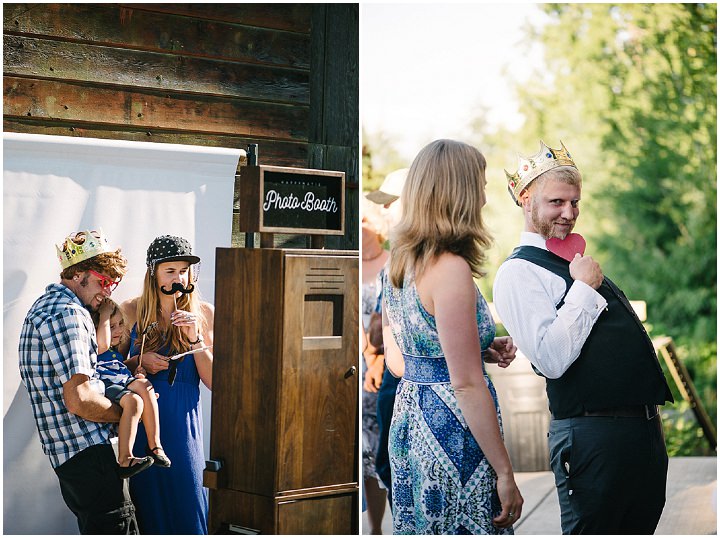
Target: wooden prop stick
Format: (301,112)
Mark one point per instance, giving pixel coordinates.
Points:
(142,348)
(176,357)
(142,345)
(177,287)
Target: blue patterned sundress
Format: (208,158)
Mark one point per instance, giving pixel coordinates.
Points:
(442,482)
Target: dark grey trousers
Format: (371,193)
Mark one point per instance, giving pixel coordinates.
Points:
(98,497)
(610,473)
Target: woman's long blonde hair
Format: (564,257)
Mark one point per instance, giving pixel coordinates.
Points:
(441,210)
(149,311)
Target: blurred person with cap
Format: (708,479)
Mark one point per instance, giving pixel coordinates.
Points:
(374,257)
(58,366)
(387,196)
(169,318)
(390,189)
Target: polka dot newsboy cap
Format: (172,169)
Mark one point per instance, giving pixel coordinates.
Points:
(169,248)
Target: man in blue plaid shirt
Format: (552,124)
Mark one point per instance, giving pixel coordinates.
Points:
(58,355)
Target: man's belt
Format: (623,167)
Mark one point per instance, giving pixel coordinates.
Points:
(647,411)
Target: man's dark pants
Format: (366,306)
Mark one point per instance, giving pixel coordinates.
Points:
(95,493)
(610,473)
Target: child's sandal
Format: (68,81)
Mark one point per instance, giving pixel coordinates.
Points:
(159,456)
(136,465)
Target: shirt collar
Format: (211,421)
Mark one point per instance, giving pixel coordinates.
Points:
(532,239)
(62,289)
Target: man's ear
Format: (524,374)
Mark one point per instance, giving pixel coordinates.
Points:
(524,199)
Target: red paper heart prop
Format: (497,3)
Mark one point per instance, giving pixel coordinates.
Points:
(568,247)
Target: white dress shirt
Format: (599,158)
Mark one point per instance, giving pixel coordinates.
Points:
(525,296)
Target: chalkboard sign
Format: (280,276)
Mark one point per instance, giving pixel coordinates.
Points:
(276,199)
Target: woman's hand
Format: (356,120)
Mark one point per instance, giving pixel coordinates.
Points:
(510,500)
(153,362)
(188,322)
(501,352)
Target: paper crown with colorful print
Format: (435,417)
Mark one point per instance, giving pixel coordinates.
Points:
(81,246)
(530,168)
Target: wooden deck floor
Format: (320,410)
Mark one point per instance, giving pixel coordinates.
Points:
(691,506)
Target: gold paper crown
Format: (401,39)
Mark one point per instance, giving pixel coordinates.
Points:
(530,168)
(81,246)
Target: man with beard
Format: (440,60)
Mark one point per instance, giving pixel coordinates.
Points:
(58,356)
(603,379)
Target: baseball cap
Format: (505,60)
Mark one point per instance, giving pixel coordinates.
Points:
(390,189)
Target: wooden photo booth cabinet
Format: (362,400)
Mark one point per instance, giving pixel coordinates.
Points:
(284,433)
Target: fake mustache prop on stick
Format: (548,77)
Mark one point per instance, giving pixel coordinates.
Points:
(177,287)
(142,345)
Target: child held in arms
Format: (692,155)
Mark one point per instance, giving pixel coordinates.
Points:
(134,394)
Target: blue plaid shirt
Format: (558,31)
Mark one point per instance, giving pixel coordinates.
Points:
(58,341)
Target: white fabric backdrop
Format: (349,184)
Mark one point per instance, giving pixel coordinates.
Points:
(135,191)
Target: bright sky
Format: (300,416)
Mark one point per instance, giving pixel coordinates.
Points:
(426,68)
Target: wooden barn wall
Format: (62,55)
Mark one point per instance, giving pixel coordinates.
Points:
(205,74)
(334,120)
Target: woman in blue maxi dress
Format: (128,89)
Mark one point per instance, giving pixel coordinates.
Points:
(173,500)
(173,319)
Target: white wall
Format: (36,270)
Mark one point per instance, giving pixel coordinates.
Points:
(135,191)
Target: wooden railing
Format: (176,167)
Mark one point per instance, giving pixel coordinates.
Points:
(665,347)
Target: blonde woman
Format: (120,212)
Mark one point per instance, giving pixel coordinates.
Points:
(451,473)
(173,320)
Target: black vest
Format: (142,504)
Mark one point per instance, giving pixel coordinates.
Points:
(617,365)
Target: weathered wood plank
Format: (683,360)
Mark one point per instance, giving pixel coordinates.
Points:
(343,158)
(80,102)
(272,152)
(333,131)
(107,65)
(111,25)
(291,17)
(334,82)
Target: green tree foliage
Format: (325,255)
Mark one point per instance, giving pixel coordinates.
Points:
(379,158)
(631,89)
